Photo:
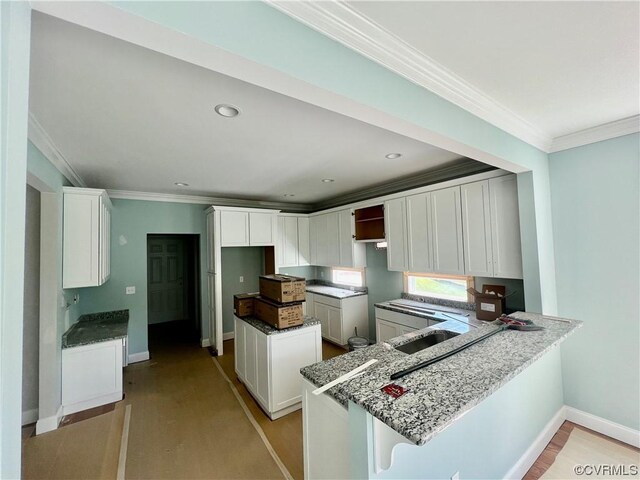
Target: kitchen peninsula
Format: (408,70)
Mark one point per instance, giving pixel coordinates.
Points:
(491,400)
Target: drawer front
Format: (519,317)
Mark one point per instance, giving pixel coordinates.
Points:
(332,302)
(403,319)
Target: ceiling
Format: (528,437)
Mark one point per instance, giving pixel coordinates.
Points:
(128,118)
(561,67)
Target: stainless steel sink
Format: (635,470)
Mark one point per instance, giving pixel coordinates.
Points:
(427,341)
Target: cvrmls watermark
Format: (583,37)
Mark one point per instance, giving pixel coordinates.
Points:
(606,469)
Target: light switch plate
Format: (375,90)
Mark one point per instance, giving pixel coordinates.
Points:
(130,290)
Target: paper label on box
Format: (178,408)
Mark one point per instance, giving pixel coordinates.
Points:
(488,307)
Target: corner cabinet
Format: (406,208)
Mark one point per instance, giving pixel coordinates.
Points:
(332,241)
(241,227)
(86,252)
(293,240)
(269,365)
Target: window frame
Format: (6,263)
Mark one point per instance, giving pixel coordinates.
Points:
(359,270)
(469,279)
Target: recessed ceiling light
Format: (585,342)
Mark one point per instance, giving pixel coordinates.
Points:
(328,180)
(228,111)
(393,155)
(181,184)
(289,195)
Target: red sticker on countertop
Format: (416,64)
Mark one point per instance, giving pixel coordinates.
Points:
(396,391)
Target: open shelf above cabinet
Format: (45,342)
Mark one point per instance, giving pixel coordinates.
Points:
(369,224)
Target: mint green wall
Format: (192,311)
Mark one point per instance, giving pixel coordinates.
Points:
(309,272)
(131,221)
(282,43)
(485,443)
(382,284)
(595,197)
(14,90)
(247,262)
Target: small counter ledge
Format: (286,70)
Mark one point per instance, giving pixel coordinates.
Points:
(268,329)
(97,327)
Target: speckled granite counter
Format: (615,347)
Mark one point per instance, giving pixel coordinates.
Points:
(441,393)
(420,309)
(97,327)
(271,330)
(335,292)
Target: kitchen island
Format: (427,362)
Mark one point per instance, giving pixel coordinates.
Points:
(490,401)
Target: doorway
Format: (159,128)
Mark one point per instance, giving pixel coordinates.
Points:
(173,289)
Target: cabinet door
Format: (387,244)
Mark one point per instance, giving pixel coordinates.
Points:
(395,229)
(313,240)
(322,240)
(262,367)
(345,221)
(333,239)
(385,330)
(290,241)
(234,229)
(335,325)
(322,313)
(304,257)
(81,234)
(239,343)
(446,231)
(251,358)
(476,229)
(261,228)
(420,256)
(210,230)
(505,227)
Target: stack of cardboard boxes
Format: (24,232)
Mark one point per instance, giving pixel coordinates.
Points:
(279,302)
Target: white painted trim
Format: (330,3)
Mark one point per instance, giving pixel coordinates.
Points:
(124,444)
(138,357)
(205,342)
(606,131)
(529,457)
(29,416)
(41,139)
(603,426)
(47,424)
(339,21)
(228,335)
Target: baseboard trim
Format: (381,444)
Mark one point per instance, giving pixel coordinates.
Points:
(29,416)
(529,457)
(138,357)
(603,426)
(228,336)
(47,424)
(205,342)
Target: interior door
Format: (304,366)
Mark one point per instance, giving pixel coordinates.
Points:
(166,286)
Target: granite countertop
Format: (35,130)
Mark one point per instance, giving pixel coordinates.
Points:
(441,393)
(97,327)
(431,311)
(335,292)
(267,329)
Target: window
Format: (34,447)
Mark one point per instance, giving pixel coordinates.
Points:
(353,277)
(448,287)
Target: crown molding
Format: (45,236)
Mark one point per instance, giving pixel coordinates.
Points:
(463,168)
(606,131)
(339,21)
(43,142)
(203,200)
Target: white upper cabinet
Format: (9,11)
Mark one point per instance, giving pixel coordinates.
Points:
(476,228)
(304,247)
(505,227)
(352,254)
(333,239)
(86,237)
(293,240)
(446,231)
(242,228)
(420,251)
(395,228)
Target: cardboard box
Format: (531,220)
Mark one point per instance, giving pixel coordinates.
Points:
(277,315)
(283,288)
(489,306)
(243,304)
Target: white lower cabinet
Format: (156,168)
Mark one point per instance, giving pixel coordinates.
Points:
(92,375)
(269,365)
(393,324)
(340,317)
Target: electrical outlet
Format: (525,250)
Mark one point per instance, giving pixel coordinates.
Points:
(455,476)
(130,290)
(241,279)
(76,298)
